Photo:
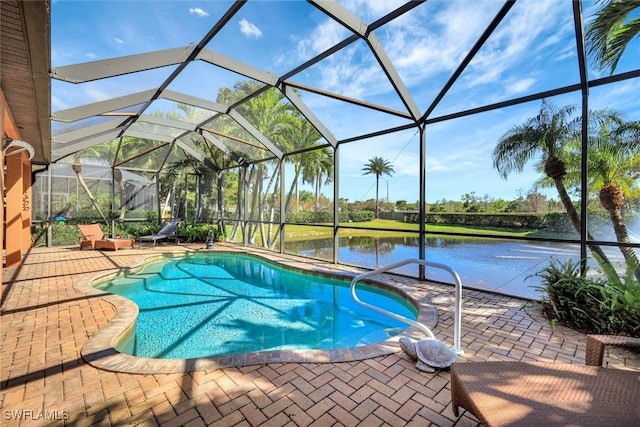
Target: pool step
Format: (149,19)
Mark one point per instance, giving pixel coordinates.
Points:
(371,338)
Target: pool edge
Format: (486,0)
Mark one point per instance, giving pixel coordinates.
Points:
(100,349)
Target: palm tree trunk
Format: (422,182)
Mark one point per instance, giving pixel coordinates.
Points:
(90,196)
(620,229)
(293,184)
(272,203)
(221,224)
(117,175)
(239,205)
(597,251)
(254,213)
(317,204)
(377,185)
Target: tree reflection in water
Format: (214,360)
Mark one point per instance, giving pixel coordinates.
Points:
(504,266)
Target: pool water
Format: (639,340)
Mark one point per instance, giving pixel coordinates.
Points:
(213,304)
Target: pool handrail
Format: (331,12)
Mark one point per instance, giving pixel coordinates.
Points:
(458,298)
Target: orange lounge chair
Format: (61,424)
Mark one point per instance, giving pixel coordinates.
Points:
(93,237)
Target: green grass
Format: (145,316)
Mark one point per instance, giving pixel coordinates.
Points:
(302,232)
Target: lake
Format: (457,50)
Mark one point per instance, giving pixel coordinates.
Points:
(503,266)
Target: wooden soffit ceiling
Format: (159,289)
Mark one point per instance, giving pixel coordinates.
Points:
(24,73)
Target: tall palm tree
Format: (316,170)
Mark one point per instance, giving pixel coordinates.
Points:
(318,166)
(378,166)
(547,135)
(268,114)
(613,163)
(613,27)
(299,134)
(77,168)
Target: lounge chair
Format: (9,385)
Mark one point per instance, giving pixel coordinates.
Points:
(93,237)
(545,394)
(169,230)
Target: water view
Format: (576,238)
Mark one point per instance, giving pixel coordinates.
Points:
(504,266)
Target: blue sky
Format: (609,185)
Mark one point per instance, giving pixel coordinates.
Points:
(532,50)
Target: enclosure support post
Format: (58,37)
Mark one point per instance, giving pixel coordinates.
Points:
(336,205)
(283,214)
(245,204)
(49,219)
(423,202)
(158,200)
(113,202)
(584,166)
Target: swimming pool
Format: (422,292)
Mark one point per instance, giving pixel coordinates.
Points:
(216,303)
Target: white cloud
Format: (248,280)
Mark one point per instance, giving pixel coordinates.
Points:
(58,104)
(91,55)
(522,34)
(249,29)
(368,10)
(520,86)
(434,39)
(324,36)
(95,95)
(119,41)
(197,11)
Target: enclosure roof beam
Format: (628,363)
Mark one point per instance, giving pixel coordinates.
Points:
(140,154)
(218,26)
(302,107)
(470,55)
(63,150)
(393,76)
(193,151)
(194,101)
(342,16)
(163,121)
(255,133)
(86,132)
(234,138)
(354,24)
(102,107)
(215,142)
(349,100)
(148,135)
(96,70)
(237,67)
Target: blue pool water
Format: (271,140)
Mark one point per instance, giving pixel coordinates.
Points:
(212,304)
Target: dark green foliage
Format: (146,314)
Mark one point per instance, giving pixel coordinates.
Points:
(197,233)
(589,304)
(358,216)
(327,217)
(553,222)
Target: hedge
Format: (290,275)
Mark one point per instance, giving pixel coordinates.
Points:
(555,221)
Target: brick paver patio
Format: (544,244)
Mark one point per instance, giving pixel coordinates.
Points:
(45,381)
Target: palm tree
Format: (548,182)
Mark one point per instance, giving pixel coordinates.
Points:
(269,115)
(299,134)
(613,164)
(378,166)
(546,134)
(77,168)
(318,165)
(613,27)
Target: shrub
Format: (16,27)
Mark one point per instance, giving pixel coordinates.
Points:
(360,216)
(197,233)
(324,217)
(589,304)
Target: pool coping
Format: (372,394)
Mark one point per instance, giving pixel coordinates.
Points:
(100,349)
